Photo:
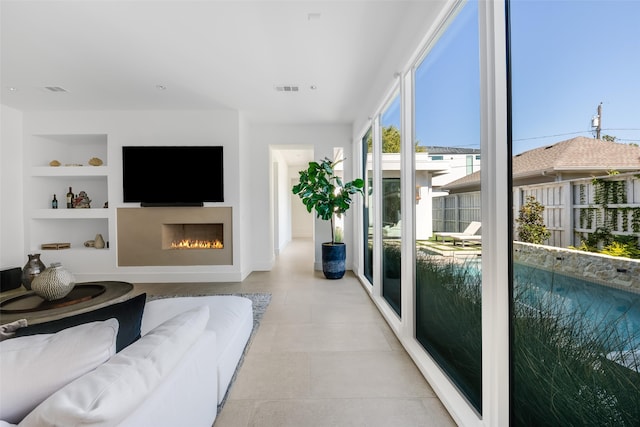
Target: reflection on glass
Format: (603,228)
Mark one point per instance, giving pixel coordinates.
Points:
(448,263)
(367,212)
(576,313)
(391,215)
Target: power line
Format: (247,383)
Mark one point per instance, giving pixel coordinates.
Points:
(552,136)
(584,131)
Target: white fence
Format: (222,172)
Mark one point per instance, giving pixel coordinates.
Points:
(573,209)
(455,211)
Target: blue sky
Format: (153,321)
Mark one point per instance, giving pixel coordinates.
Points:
(567,57)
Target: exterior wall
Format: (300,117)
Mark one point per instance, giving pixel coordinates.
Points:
(616,272)
(457,164)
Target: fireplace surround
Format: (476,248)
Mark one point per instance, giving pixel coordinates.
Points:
(174,236)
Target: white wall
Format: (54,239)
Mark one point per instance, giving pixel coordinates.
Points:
(457,168)
(280,201)
(215,127)
(323,139)
(245,201)
(302,222)
(12,253)
(247,182)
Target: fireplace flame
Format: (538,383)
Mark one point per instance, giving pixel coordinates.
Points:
(197,244)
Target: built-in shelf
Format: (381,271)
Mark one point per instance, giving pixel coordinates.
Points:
(74,171)
(73,226)
(70,213)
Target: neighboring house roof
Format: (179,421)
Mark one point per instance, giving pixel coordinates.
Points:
(577,156)
(450,150)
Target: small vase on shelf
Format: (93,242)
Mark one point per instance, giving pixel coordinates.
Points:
(31,269)
(98,242)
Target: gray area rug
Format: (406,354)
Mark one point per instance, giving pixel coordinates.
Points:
(260,303)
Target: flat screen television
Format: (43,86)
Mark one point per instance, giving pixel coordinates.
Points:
(172,175)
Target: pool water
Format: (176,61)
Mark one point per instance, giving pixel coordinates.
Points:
(610,312)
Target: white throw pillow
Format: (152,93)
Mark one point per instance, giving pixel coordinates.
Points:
(34,367)
(107,395)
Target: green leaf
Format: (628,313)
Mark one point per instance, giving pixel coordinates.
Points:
(317,188)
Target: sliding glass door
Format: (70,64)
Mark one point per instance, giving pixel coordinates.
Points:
(448,279)
(367,205)
(575,108)
(391,204)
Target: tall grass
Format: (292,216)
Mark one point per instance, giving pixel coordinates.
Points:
(561,373)
(448,321)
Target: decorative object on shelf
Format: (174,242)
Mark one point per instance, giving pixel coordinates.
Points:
(54,202)
(82,201)
(54,163)
(94,161)
(31,269)
(54,282)
(70,198)
(106,205)
(99,242)
(90,244)
(57,245)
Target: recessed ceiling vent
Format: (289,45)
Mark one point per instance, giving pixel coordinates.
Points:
(55,89)
(288,88)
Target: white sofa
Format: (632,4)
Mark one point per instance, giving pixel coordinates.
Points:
(175,374)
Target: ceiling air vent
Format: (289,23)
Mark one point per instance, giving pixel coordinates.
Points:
(55,89)
(288,88)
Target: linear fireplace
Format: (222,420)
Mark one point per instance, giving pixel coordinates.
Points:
(174,236)
(192,236)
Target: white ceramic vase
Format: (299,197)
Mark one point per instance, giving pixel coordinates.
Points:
(55,282)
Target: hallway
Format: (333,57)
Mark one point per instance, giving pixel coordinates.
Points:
(323,355)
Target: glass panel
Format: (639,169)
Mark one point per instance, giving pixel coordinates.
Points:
(367,214)
(575,104)
(448,263)
(391,215)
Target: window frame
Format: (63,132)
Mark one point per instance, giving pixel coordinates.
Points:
(496,212)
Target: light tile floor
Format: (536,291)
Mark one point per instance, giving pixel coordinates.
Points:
(323,355)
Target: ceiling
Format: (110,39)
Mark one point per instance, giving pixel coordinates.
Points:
(184,55)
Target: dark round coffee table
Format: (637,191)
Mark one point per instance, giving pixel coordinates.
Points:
(84,297)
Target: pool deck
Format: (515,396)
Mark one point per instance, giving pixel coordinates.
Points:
(432,247)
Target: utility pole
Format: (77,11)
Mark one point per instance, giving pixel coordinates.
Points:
(597,121)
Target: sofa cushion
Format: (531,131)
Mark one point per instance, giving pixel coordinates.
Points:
(34,367)
(108,394)
(231,318)
(129,315)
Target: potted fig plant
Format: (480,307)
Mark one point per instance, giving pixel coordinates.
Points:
(321,189)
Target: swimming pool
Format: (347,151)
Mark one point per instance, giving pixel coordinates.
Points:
(610,313)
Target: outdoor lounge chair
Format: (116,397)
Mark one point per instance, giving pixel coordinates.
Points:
(473,238)
(393,231)
(472,229)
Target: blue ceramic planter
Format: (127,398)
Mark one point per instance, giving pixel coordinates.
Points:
(333,260)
